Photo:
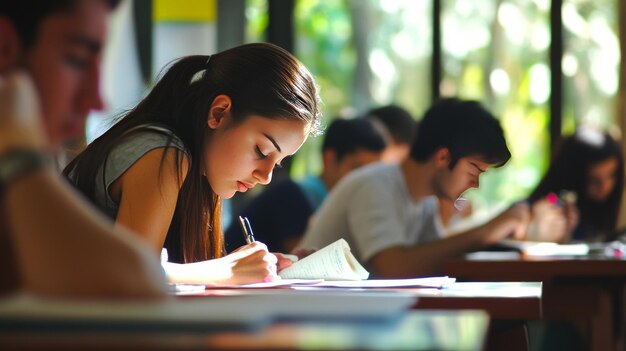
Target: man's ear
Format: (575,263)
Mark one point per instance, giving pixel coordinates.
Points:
(220,107)
(9,45)
(442,157)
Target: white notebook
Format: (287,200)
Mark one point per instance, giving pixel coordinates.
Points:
(333,262)
(426,282)
(542,248)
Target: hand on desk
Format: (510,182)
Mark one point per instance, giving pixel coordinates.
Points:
(20,121)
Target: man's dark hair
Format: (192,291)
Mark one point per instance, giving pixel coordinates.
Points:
(398,122)
(463,127)
(345,136)
(26,15)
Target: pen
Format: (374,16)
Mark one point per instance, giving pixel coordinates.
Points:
(246,228)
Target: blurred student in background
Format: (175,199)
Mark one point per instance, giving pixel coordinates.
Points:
(399,128)
(586,178)
(51,241)
(388,213)
(281,213)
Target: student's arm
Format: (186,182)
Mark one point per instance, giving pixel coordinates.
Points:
(251,263)
(148,192)
(428,259)
(62,247)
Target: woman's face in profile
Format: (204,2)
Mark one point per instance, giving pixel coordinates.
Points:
(601,179)
(238,157)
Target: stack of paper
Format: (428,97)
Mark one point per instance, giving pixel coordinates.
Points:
(429,282)
(426,282)
(540,248)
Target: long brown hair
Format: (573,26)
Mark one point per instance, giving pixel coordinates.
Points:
(261,79)
(569,170)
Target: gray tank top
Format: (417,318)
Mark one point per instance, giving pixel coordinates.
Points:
(125,154)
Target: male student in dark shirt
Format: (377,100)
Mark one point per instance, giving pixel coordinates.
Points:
(280,214)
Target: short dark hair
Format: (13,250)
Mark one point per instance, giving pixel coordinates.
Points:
(26,15)
(345,136)
(398,122)
(463,127)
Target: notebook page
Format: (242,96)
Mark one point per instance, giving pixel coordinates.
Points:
(333,262)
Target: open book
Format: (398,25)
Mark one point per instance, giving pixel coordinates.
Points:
(333,262)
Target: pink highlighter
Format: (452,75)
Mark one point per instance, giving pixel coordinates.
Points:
(553,199)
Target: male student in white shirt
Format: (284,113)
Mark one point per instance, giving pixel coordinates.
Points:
(388,212)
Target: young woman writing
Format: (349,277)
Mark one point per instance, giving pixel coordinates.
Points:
(590,165)
(212,126)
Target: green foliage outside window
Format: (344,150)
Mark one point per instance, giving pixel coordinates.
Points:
(494,51)
(497,52)
(324,44)
(257,19)
(590,63)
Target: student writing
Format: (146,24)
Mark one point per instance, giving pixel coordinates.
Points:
(590,165)
(211,126)
(388,212)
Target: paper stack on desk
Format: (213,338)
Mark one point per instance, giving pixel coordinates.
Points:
(425,282)
(540,248)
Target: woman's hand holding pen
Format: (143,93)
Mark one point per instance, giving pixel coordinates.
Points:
(252,263)
(549,222)
(281,261)
(248,264)
(554,218)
